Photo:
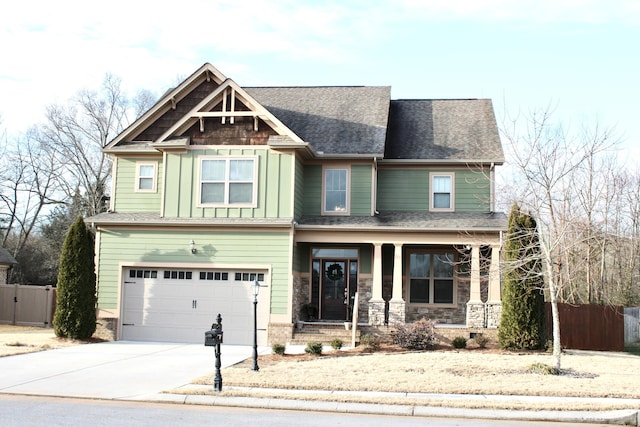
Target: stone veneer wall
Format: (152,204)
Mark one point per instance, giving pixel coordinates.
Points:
(301,293)
(4,273)
(106,328)
(280,333)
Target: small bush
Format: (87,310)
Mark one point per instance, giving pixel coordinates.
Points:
(313,348)
(541,368)
(420,335)
(278,349)
(481,341)
(459,342)
(336,343)
(370,342)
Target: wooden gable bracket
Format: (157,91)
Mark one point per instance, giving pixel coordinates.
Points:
(173,102)
(232,109)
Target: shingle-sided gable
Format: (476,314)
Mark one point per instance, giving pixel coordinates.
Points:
(334,120)
(443,130)
(6,258)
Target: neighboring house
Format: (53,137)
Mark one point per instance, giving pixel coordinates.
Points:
(316,192)
(6,263)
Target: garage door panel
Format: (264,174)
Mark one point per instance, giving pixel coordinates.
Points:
(181,310)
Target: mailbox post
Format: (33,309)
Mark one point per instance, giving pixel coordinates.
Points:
(213,338)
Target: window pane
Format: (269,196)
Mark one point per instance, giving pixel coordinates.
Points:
(212,193)
(419,291)
(443,291)
(442,184)
(335,186)
(145,184)
(241,170)
(419,265)
(213,170)
(335,201)
(146,171)
(441,201)
(240,193)
(443,265)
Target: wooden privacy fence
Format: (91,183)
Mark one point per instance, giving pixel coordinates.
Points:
(589,327)
(27,305)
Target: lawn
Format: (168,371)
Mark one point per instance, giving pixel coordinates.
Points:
(467,371)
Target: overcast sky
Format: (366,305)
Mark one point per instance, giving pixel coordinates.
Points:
(580,56)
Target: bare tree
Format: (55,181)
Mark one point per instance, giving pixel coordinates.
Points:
(546,162)
(76,133)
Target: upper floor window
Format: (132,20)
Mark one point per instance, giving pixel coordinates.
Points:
(146,176)
(336,191)
(227,181)
(441,195)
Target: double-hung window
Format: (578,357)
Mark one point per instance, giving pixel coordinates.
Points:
(146,176)
(227,181)
(335,191)
(431,278)
(441,194)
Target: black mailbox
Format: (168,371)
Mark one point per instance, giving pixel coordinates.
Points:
(214,336)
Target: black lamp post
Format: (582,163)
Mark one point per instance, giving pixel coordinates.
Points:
(256,289)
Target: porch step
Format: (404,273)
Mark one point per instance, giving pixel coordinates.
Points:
(324,333)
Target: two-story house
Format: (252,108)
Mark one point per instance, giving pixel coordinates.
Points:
(317,193)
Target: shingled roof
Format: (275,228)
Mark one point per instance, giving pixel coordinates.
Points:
(333,119)
(456,130)
(6,258)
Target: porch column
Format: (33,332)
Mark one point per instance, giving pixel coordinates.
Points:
(397,304)
(494,302)
(376,303)
(475,306)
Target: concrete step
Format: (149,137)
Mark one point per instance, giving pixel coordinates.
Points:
(324,333)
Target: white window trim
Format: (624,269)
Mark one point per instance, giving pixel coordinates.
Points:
(347,210)
(452,194)
(407,286)
(226,204)
(154,185)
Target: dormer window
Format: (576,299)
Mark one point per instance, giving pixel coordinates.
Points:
(335,191)
(441,194)
(228,181)
(146,176)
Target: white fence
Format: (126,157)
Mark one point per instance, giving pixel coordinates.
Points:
(631,325)
(27,305)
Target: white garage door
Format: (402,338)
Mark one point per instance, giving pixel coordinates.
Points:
(179,305)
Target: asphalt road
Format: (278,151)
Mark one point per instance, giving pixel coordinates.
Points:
(50,411)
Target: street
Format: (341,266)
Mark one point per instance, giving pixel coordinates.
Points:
(51,411)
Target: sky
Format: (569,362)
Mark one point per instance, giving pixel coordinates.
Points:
(581,58)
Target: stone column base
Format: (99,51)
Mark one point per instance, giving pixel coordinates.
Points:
(476,315)
(494,312)
(376,312)
(397,313)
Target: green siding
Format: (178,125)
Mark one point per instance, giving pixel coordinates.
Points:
(312,189)
(302,256)
(129,200)
(403,190)
(408,190)
(163,247)
(361,183)
(274,191)
(298,189)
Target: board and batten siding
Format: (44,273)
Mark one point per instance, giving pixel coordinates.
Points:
(274,186)
(127,198)
(248,249)
(408,189)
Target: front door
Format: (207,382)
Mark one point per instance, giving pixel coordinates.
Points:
(337,288)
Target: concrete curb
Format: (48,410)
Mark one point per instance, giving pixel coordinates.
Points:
(628,417)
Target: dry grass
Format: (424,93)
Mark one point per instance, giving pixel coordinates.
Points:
(471,371)
(29,339)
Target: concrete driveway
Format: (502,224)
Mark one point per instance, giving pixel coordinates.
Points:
(113,370)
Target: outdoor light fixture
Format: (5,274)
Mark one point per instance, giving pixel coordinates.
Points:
(256,289)
(192,246)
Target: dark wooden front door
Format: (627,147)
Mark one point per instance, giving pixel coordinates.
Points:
(337,288)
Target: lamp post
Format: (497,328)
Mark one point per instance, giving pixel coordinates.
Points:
(256,289)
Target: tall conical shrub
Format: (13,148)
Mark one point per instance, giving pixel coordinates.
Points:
(75,315)
(523,321)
